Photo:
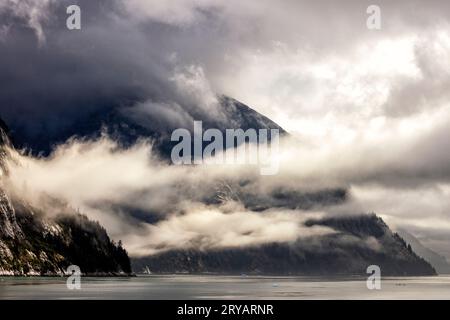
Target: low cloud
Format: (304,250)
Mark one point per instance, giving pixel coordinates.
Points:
(369,110)
(34,12)
(153,206)
(225,226)
(124,189)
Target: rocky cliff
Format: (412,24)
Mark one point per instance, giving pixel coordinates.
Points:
(35,243)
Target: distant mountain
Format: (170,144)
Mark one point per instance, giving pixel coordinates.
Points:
(360,241)
(126,127)
(437,261)
(33,243)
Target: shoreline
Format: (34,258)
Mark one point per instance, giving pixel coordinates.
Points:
(60,275)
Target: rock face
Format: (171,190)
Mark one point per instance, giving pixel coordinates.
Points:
(47,246)
(359,241)
(8,223)
(32,243)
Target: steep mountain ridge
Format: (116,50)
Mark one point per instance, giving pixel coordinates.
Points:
(360,241)
(33,243)
(437,261)
(127,126)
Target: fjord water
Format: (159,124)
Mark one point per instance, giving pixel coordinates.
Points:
(224,287)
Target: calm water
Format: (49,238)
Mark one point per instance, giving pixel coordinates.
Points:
(224,287)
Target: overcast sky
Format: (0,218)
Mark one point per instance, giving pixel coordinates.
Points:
(370,107)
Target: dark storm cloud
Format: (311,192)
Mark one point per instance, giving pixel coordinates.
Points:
(47,85)
(126,51)
(52,79)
